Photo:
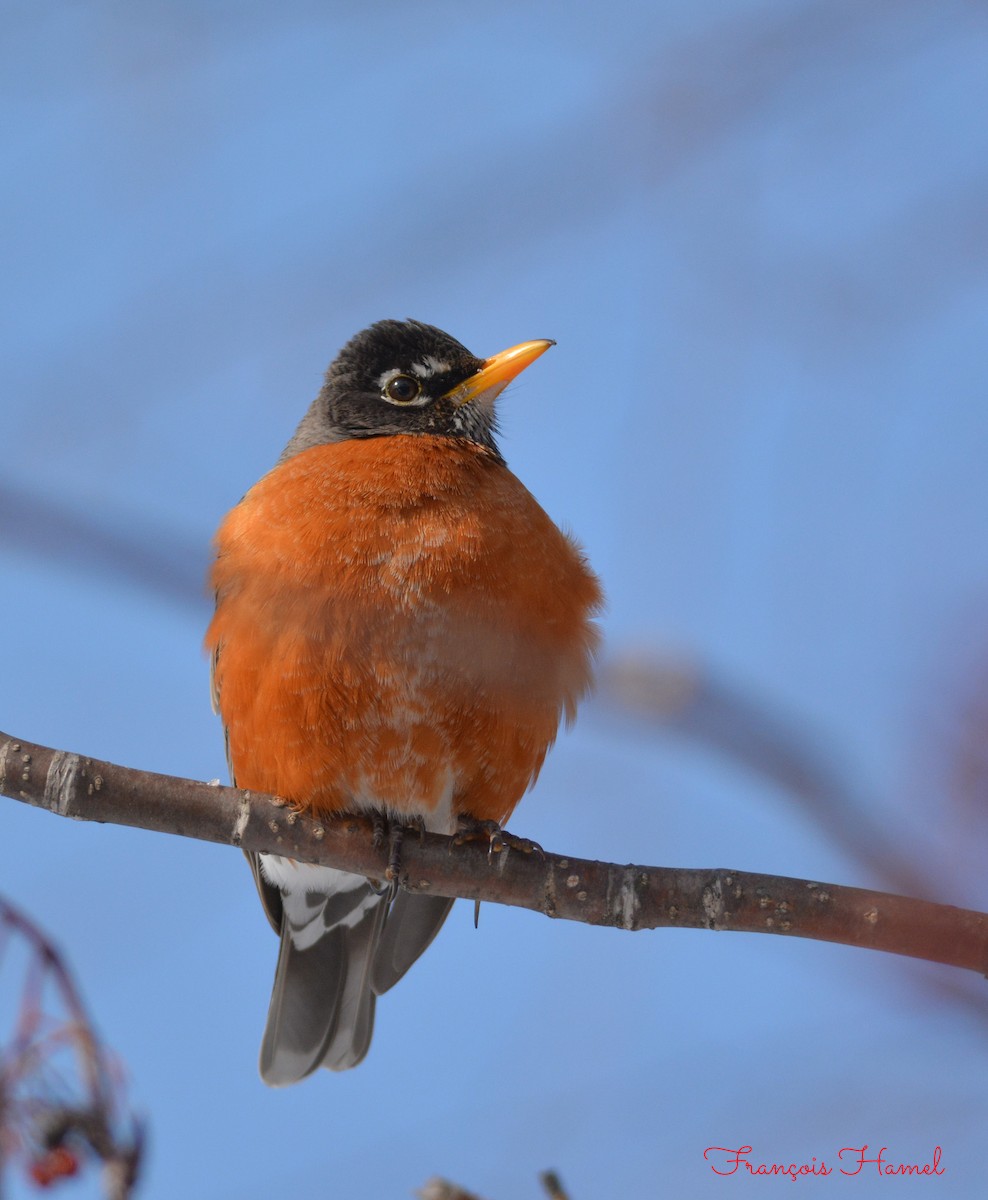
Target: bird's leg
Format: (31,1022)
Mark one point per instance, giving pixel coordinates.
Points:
(379,824)
(379,833)
(396,835)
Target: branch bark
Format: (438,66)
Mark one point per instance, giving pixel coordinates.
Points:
(626,897)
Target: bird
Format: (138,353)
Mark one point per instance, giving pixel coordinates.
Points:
(399,630)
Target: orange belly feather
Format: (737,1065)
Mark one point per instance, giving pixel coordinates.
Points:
(399,625)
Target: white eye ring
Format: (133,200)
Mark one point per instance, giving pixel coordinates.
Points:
(402,390)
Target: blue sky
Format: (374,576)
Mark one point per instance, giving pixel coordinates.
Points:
(757,233)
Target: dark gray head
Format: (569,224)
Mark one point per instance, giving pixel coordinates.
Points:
(403,377)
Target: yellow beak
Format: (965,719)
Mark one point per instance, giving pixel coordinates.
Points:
(495,375)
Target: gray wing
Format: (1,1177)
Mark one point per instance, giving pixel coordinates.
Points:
(269,894)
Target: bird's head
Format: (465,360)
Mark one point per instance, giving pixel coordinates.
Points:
(404,377)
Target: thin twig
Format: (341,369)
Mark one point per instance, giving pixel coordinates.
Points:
(553,1186)
(444,1189)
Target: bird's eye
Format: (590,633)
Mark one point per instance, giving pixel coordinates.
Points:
(402,389)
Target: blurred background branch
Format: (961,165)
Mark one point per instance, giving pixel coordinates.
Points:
(61,1095)
(443,1189)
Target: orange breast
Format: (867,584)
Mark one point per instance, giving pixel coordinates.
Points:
(398,625)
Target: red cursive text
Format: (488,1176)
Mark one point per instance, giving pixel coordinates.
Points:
(886,1168)
(735,1160)
(726,1161)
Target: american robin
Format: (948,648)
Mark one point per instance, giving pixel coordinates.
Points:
(399,630)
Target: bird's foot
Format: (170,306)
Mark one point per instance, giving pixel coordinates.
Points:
(469,829)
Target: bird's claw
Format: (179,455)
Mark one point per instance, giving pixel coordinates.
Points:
(469,829)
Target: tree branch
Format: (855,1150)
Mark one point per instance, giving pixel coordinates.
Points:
(626,897)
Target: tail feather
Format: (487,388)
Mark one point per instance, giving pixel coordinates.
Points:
(412,924)
(340,949)
(322,1005)
(304,1005)
(355,1010)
